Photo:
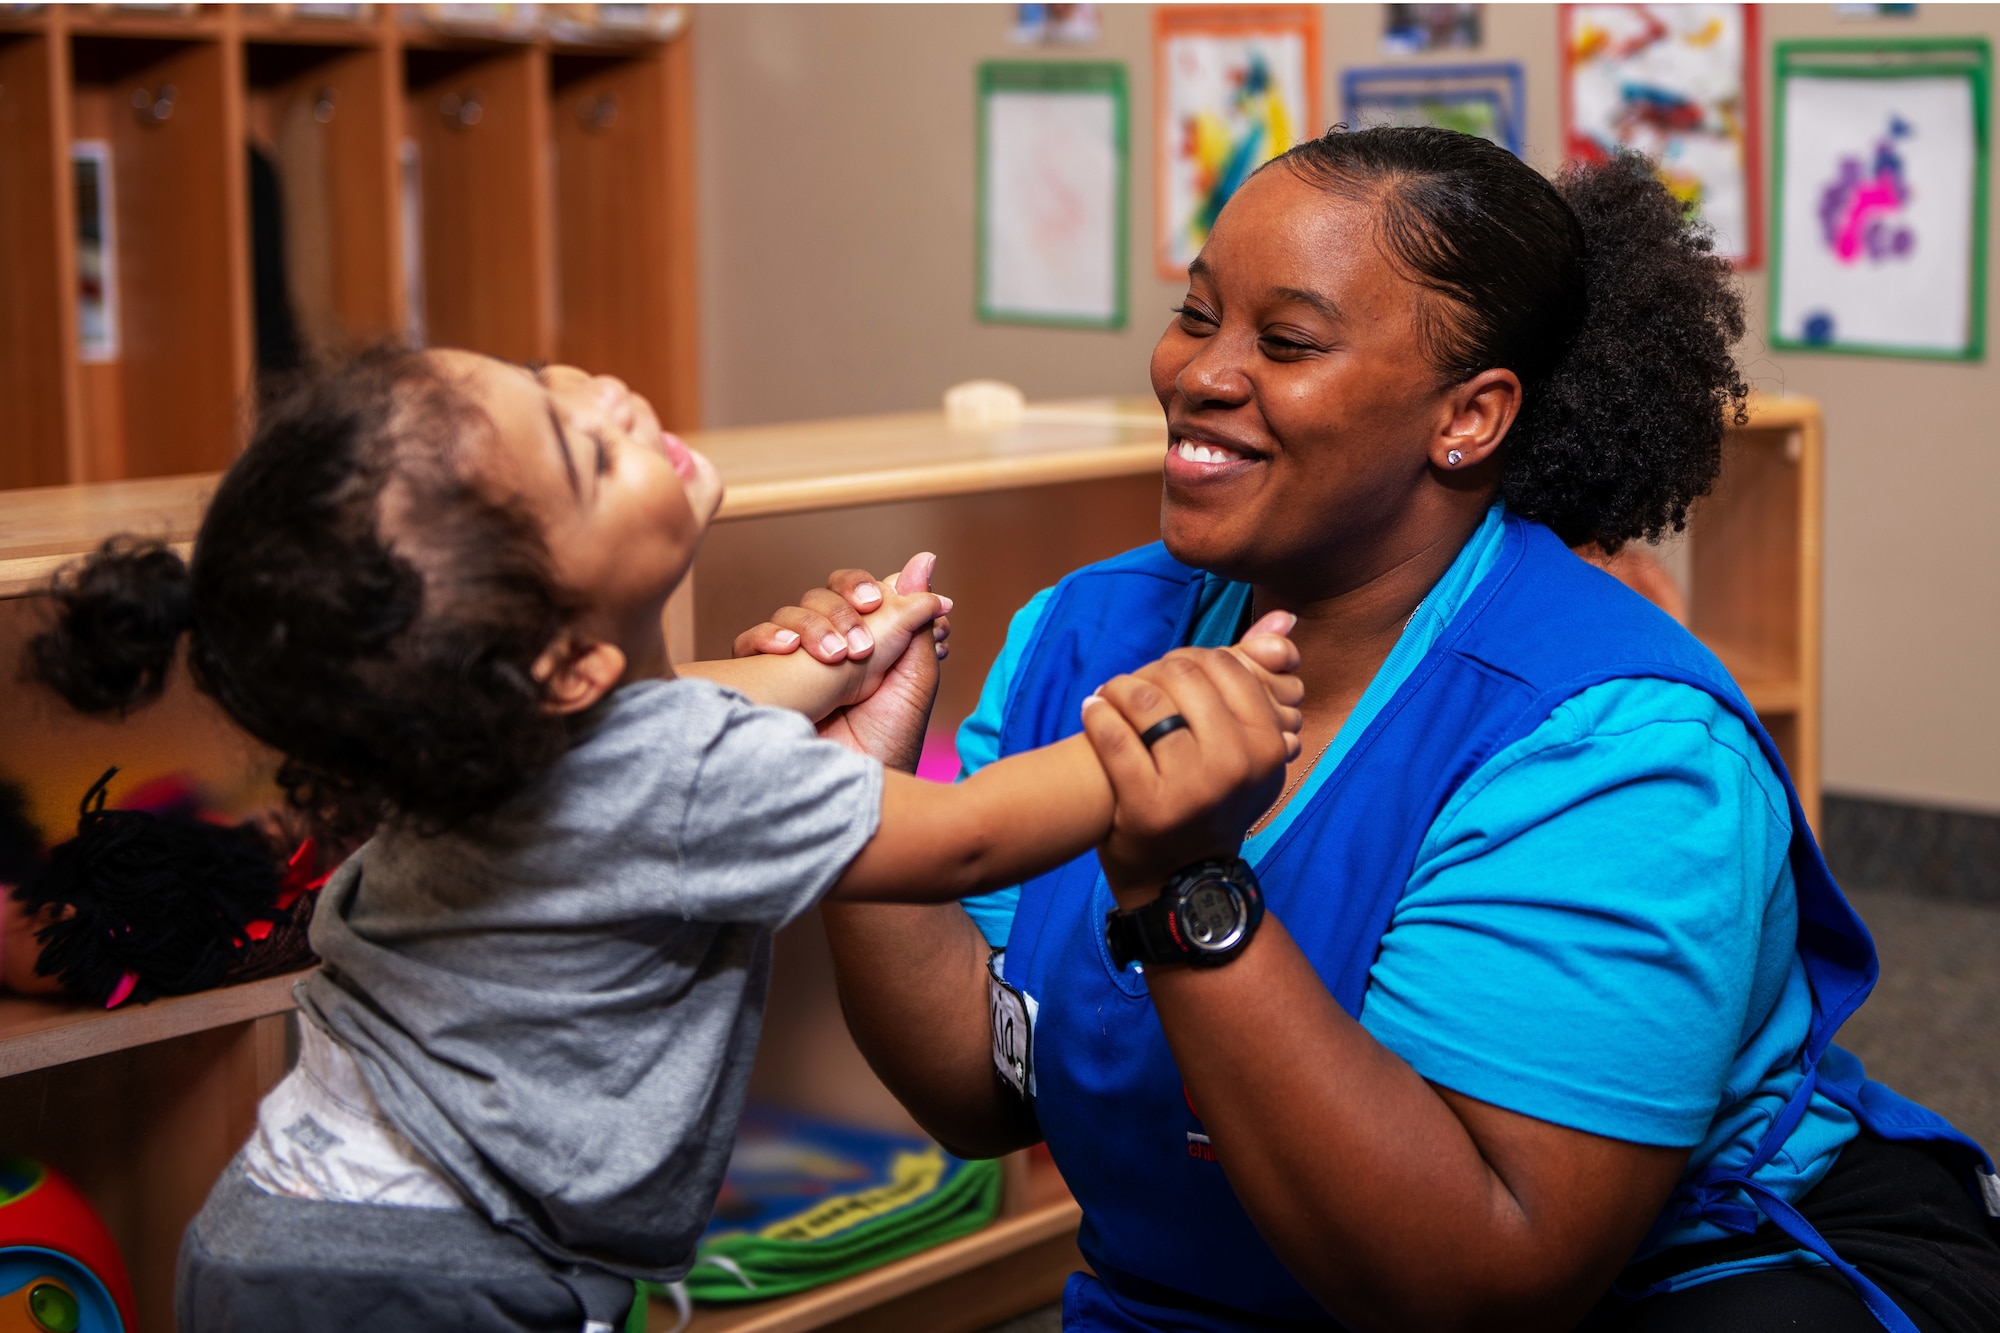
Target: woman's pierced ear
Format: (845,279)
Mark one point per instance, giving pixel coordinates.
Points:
(1454,458)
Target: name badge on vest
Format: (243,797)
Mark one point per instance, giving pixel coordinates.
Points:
(1013,1013)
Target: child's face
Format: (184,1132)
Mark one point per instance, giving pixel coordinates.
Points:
(622,503)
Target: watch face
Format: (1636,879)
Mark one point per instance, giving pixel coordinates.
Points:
(1212,915)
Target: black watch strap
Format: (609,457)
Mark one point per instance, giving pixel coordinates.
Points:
(1159,931)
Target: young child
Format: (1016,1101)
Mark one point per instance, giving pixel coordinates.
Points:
(435,584)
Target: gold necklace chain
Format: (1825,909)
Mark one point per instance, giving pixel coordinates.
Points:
(1306,772)
(1291,787)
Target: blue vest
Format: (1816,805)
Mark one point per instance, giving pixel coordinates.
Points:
(1164,1232)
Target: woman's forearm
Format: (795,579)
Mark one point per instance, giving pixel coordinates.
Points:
(912,983)
(1397,1204)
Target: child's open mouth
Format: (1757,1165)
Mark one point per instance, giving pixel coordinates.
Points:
(677,454)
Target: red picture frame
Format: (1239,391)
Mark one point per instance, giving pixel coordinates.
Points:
(1753,121)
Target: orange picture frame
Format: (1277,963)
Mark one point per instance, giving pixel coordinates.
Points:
(1224,23)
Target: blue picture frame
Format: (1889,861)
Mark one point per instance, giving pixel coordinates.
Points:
(1498,86)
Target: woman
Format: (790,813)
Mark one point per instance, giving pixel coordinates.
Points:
(1535,1029)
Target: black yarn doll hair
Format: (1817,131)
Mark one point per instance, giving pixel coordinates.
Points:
(166,899)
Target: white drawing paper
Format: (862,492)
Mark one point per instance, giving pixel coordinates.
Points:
(1051,244)
(1878,197)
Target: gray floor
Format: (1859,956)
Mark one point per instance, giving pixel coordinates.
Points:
(1931,1031)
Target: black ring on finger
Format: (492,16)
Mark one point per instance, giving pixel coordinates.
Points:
(1167,725)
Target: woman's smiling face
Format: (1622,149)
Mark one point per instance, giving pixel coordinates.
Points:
(1301,409)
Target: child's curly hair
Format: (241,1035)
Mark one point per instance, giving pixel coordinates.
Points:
(1598,291)
(354,601)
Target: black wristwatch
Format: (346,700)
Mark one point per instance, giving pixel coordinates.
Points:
(1203,917)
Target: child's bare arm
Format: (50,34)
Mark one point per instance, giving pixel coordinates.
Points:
(804,684)
(1005,823)
(1031,812)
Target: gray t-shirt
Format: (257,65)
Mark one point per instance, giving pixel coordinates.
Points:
(558,1002)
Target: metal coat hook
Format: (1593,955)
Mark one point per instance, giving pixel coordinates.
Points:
(324,102)
(598,113)
(157,107)
(462,109)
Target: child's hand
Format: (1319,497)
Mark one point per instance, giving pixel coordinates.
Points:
(900,619)
(829,622)
(1193,793)
(1273,658)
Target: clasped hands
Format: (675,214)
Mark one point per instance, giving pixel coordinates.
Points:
(1188,797)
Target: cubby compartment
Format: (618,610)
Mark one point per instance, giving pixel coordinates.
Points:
(1753,570)
(475,127)
(35,411)
(160,379)
(145,1128)
(320,116)
(623,230)
(1745,560)
(156,160)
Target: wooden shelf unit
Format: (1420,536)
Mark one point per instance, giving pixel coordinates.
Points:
(1008,511)
(1754,576)
(600,269)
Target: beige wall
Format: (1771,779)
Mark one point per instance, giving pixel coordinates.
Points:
(836,179)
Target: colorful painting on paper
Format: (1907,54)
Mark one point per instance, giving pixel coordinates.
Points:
(1677,83)
(1234,87)
(1881,201)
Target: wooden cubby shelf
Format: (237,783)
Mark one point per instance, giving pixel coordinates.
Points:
(520,190)
(39,1033)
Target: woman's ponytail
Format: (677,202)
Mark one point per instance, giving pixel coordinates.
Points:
(120,615)
(1626,431)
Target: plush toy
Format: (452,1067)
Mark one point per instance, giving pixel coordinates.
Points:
(158,899)
(59,1270)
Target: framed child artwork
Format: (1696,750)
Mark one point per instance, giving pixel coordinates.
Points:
(1679,84)
(1880,233)
(1486,100)
(1233,87)
(1409,30)
(1052,189)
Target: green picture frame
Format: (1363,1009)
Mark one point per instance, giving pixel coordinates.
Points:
(1887,58)
(1075,78)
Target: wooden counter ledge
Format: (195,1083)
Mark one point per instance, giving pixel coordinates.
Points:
(768,470)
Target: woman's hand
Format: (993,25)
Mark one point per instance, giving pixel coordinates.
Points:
(889,723)
(1191,796)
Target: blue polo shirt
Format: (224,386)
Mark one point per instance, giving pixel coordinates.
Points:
(1600,929)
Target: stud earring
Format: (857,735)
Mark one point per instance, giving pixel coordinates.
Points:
(1454,458)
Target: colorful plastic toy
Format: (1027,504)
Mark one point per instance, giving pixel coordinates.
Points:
(60,1272)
